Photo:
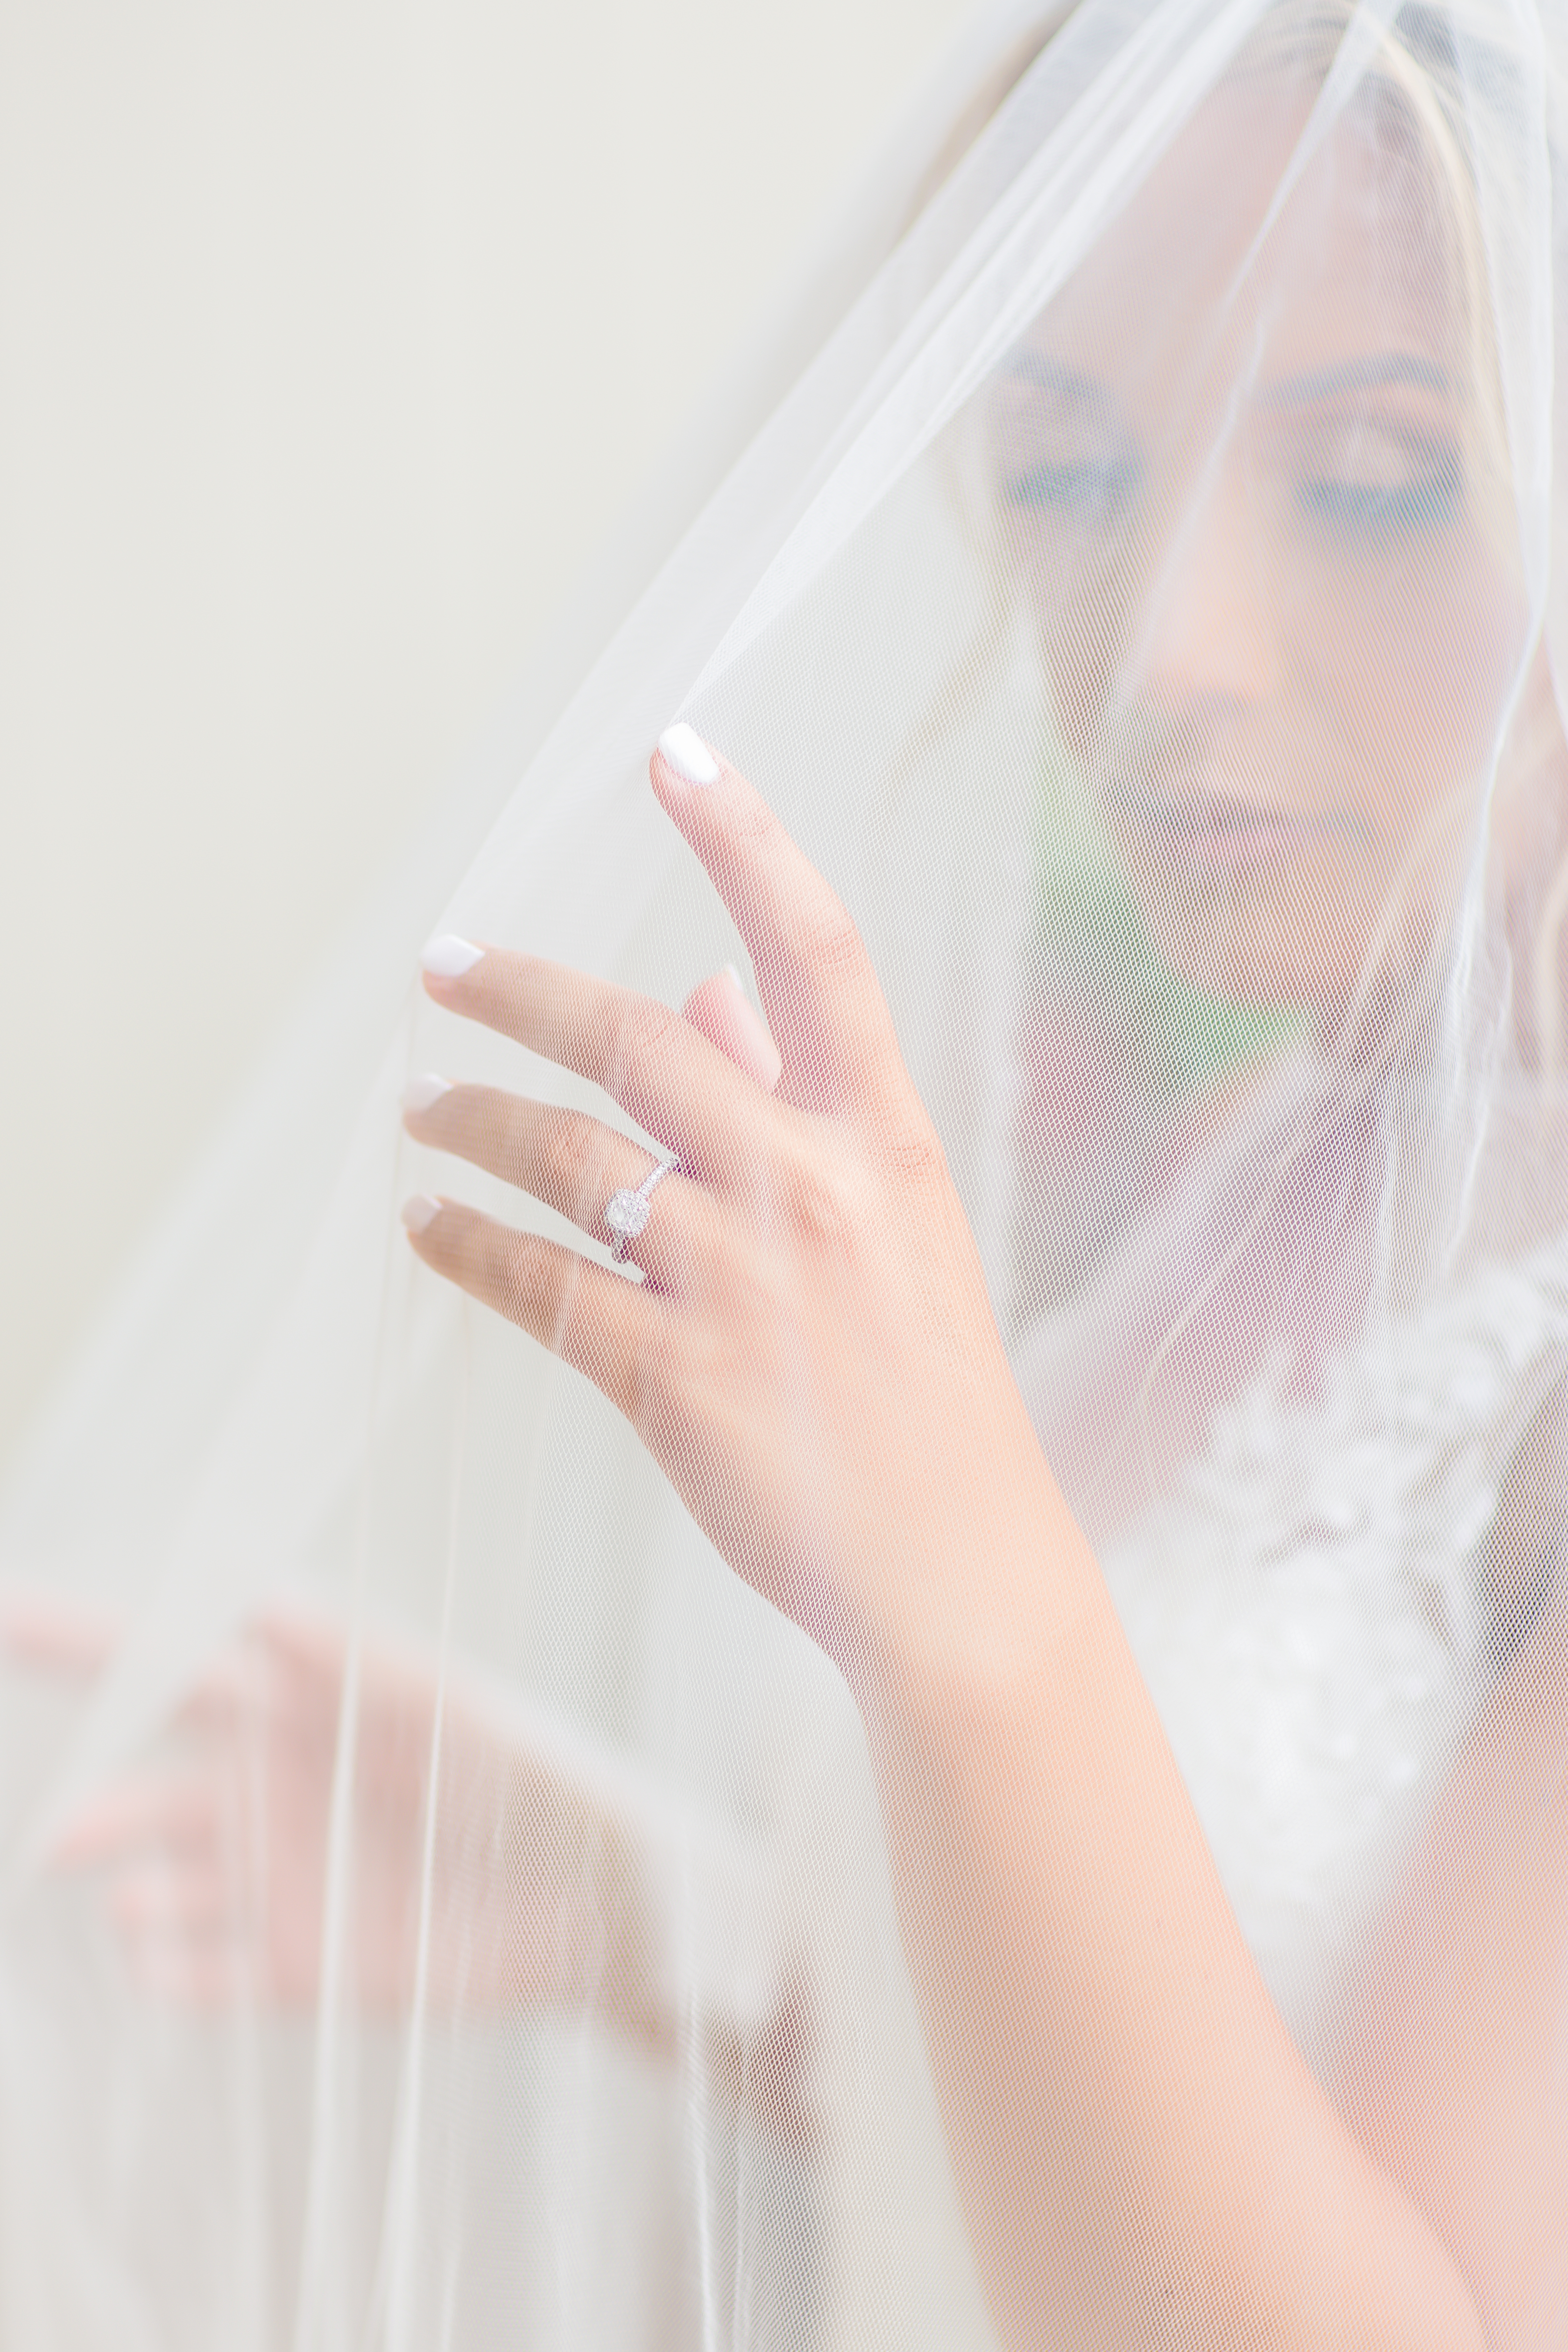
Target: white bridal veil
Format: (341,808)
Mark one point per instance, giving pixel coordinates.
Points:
(443,1906)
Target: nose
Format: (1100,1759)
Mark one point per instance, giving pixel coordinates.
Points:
(1209,638)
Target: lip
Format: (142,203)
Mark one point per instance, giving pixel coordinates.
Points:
(1219,835)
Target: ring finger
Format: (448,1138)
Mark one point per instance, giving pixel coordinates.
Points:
(571,1162)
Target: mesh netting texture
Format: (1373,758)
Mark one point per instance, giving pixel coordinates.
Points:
(948,1727)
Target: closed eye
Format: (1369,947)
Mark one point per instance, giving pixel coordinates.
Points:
(1426,502)
(1063,445)
(1374,478)
(1092,493)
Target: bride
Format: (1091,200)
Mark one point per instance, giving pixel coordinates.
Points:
(1111,1302)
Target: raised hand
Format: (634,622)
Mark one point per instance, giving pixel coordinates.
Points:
(812,1358)
(810,1293)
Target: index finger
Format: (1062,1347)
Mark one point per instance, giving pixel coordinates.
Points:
(647,1058)
(822,997)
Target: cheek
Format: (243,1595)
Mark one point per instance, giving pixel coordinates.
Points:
(1080,615)
(1392,680)
(1413,674)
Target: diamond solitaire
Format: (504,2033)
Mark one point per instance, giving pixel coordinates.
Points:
(626,1212)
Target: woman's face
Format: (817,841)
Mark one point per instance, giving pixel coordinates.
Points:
(1279,627)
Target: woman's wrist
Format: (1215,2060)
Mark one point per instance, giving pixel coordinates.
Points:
(968,1599)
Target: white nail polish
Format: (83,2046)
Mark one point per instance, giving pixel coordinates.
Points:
(418,1210)
(448,958)
(688,754)
(420,1093)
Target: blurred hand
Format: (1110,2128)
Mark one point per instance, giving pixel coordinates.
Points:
(213,1859)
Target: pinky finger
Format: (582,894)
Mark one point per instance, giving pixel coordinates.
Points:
(606,1328)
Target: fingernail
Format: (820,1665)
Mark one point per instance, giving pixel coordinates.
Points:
(420,1093)
(689,756)
(448,958)
(418,1210)
(736,977)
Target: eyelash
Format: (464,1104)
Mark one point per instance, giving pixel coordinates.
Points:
(1094,495)
(1428,503)
(1097,494)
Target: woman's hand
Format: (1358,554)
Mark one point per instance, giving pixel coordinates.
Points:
(812,1355)
(213,1858)
(1143,2156)
(544,1871)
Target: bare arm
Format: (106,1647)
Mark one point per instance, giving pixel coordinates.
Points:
(1453,2072)
(1144,2159)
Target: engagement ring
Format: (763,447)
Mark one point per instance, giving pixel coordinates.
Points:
(626,1212)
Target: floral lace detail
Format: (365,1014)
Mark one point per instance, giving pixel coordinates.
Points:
(1306,1610)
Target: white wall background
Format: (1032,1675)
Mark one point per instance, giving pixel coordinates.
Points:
(334,336)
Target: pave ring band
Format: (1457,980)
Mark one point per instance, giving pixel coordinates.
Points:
(626,1212)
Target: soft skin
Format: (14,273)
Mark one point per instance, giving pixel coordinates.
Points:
(1273,564)
(813,1295)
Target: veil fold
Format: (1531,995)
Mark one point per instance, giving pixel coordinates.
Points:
(1130,567)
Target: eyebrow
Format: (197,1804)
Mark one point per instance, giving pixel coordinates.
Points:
(1361,374)
(1356,375)
(1051,375)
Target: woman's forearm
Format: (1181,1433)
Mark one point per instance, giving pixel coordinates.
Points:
(1143,2156)
(1452,2071)
(813,1359)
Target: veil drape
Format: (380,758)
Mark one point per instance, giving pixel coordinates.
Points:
(443,1903)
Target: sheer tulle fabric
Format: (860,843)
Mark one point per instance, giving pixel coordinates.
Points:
(444,1904)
